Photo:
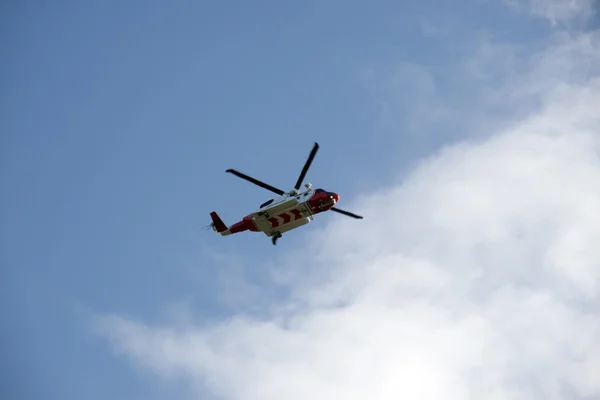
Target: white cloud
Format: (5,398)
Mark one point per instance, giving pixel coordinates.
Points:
(494,85)
(556,10)
(476,277)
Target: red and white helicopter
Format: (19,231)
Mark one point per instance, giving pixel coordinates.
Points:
(290,211)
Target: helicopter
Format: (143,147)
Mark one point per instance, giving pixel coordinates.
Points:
(289,211)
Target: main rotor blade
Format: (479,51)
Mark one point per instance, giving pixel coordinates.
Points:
(307,165)
(345,213)
(256,182)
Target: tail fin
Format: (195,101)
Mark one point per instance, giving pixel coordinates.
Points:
(218,223)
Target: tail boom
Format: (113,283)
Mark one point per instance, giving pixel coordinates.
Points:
(220,227)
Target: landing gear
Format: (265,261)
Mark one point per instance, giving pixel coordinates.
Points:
(275,237)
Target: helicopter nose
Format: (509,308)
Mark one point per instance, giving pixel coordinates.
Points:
(335,197)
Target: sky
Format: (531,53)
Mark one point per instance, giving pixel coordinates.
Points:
(467,135)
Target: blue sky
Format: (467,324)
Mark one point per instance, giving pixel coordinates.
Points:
(119,120)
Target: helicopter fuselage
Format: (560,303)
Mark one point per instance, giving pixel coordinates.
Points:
(282,214)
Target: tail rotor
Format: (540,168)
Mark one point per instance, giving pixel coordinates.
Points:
(210,226)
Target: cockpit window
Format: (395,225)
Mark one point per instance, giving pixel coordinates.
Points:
(319,191)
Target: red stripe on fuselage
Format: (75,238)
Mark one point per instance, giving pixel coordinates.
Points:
(286,217)
(297,214)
